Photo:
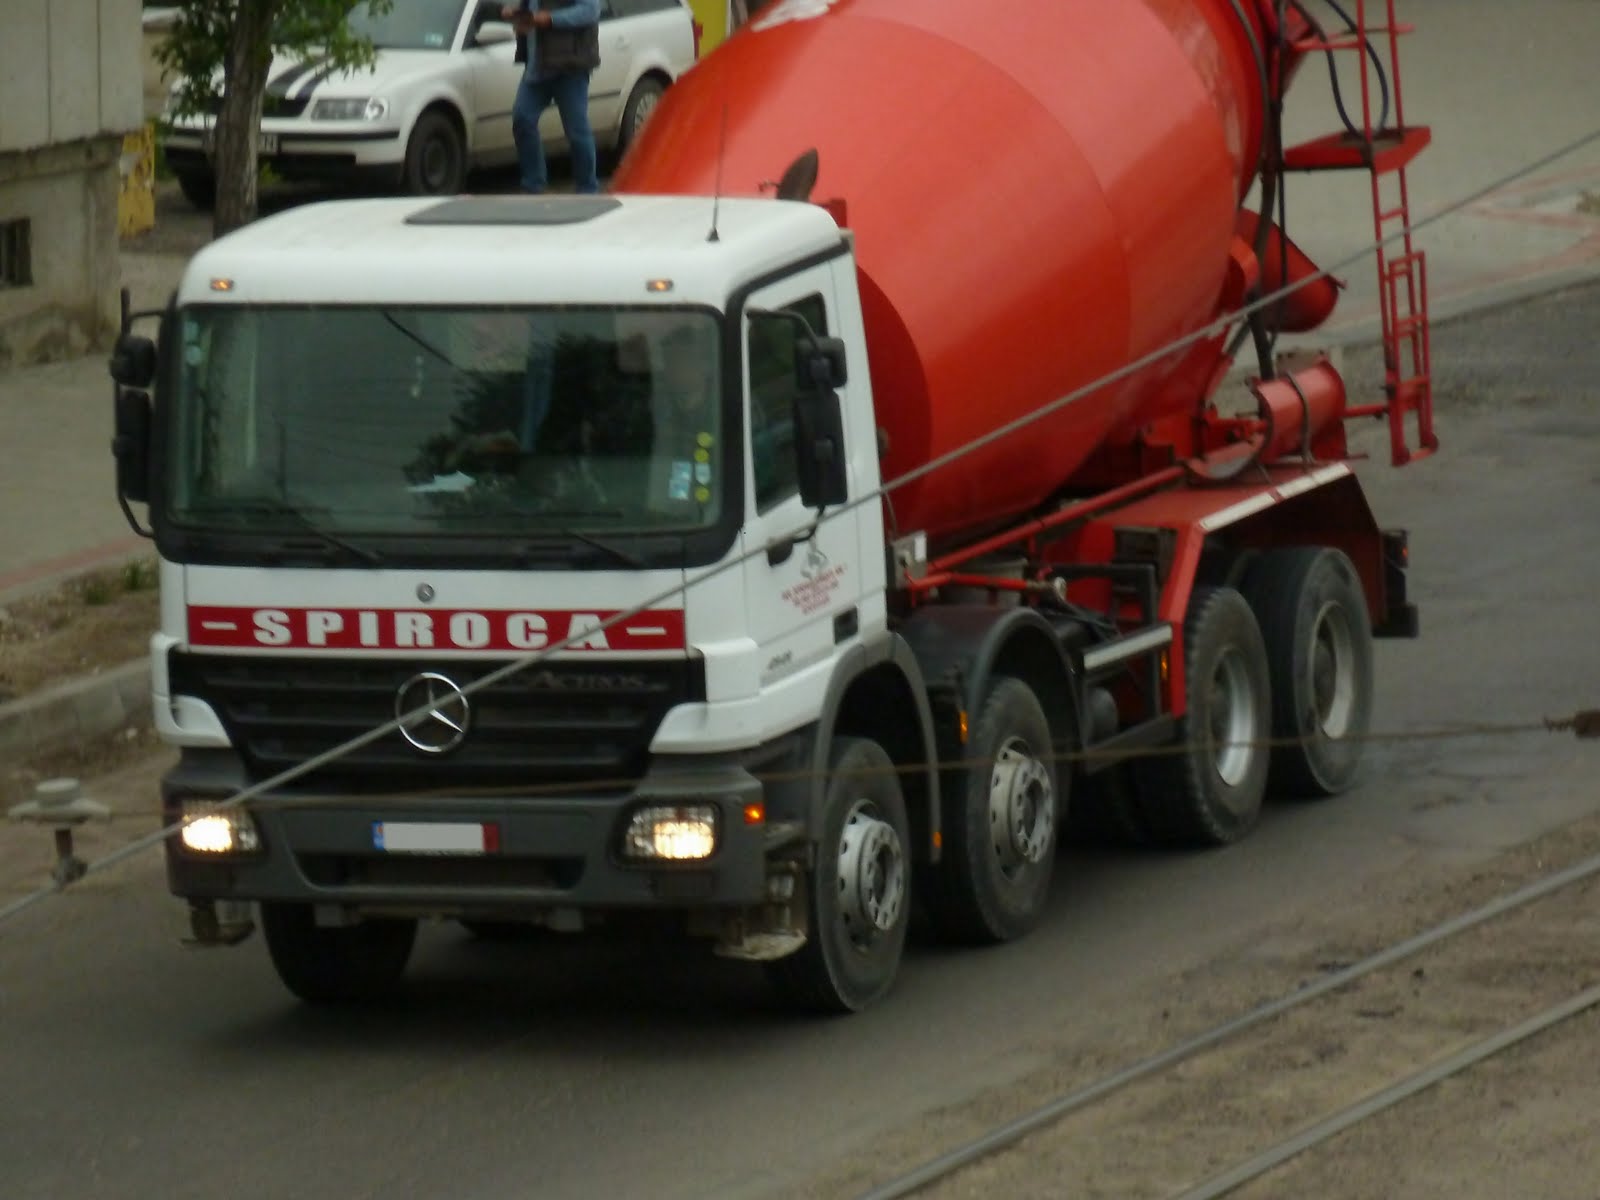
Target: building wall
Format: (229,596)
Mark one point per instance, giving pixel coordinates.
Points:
(71,87)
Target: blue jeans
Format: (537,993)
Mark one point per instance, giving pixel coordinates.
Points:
(570,92)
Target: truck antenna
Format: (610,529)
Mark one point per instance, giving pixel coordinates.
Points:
(716,191)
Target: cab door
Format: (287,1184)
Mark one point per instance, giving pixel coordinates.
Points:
(495,79)
(802,594)
(619,28)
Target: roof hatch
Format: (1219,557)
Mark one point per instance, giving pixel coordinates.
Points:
(515,210)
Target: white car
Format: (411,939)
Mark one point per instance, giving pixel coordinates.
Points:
(437,100)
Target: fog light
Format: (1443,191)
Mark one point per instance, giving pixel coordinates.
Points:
(209,832)
(676,832)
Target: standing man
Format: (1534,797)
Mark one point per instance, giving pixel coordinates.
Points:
(565,37)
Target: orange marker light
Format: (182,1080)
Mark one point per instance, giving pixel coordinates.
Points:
(755,813)
(961,727)
(658,285)
(222,285)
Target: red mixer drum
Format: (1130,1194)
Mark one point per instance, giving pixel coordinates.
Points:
(1041,192)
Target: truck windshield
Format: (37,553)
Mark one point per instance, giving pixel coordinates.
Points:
(418,421)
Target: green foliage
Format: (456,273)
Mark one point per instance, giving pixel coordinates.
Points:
(139,575)
(196,50)
(162,170)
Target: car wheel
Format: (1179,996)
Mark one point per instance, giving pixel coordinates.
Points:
(436,157)
(642,102)
(199,188)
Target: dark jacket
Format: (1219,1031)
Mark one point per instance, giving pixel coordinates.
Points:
(562,51)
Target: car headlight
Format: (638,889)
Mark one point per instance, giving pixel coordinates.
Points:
(361,109)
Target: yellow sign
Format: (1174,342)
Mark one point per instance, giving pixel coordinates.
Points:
(712,17)
(136,196)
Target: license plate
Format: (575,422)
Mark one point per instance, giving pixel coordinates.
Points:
(266,143)
(436,837)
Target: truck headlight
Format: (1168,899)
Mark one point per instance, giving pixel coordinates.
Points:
(672,832)
(361,109)
(206,831)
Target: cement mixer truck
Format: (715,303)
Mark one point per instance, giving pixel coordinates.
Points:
(795,540)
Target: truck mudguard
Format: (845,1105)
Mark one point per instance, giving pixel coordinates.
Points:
(878,690)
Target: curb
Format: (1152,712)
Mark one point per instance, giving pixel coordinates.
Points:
(81,710)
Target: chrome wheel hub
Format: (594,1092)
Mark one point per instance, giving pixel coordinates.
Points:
(1022,807)
(1233,718)
(1333,674)
(872,875)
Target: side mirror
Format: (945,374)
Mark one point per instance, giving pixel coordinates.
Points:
(133,361)
(494,33)
(130,445)
(819,448)
(819,363)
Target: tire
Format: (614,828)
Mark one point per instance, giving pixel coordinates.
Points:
(1313,615)
(999,824)
(858,893)
(1209,791)
(345,965)
(641,103)
(436,157)
(199,188)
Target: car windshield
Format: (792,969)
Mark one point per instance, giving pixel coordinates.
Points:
(409,24)
(411,421)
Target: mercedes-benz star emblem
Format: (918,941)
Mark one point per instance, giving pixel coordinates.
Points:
(433,713)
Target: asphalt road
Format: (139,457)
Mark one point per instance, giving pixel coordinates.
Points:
(132,1068)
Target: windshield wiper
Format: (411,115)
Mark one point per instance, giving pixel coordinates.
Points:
(553,541)
(626,558)
(416,337)
(280,508)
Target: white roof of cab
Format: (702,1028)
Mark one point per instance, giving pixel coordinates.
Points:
(508,250)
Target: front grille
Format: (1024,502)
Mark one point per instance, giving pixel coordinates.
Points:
(271,106)
(549,724)
(442,871)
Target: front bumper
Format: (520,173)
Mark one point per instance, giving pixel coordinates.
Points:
(300,151)
(551,852)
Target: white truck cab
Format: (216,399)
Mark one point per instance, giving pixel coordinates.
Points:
(402,444)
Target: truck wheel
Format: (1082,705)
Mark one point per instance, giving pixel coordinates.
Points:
(199,188)
(993,879)
(857,893)
(641,103)
(1314,620)
(1209,791)
(343,965)
(436,158)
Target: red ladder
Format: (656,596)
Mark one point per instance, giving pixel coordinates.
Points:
(1385,153)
